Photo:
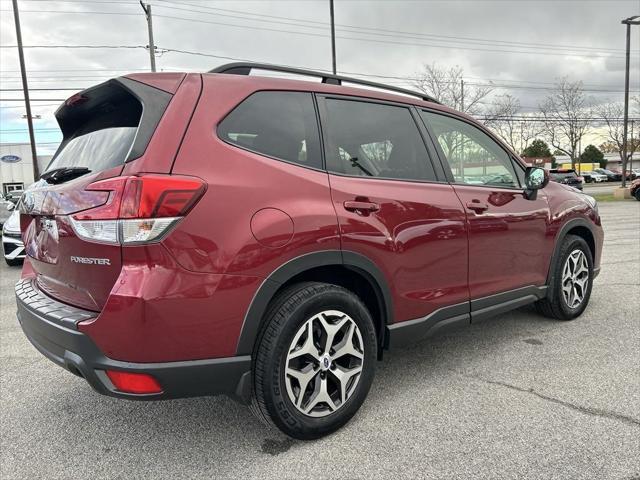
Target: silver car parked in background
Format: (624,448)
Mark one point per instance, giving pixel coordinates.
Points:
(594,177)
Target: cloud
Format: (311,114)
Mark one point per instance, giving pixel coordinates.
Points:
(526,42)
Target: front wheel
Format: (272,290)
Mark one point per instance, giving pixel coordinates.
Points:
(637,194)
(315,360)
(571,282)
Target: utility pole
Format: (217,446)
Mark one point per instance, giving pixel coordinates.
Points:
(333,37)
(579,154)
(152,48)
(628,22)
(25,89)
(484,168)
(633,148)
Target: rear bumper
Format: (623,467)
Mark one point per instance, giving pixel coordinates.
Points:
(50,327)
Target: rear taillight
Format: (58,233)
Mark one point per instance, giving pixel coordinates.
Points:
(139,209)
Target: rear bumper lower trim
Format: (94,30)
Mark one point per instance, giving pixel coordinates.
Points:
(59,341)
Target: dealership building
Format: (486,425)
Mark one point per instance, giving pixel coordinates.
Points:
(16,166)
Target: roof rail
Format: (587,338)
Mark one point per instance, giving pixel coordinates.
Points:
(244,68)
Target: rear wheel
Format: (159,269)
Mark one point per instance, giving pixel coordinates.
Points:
(571,282)
(637,194)
(314,363)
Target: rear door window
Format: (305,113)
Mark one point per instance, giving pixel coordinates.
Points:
(282,125)
(375,140)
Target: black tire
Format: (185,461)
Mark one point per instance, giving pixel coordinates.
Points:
(637,194)
(285,316)
(554,305)
(14,262)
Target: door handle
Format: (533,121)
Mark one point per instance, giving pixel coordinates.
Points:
(361,207)
(477,206)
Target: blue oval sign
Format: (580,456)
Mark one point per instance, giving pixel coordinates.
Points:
(10,158)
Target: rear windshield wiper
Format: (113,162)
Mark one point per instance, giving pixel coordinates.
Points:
(62,174)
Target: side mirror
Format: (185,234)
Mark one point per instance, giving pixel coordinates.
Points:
(535,178)
(10,206)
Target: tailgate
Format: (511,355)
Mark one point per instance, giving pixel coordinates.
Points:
(103,128)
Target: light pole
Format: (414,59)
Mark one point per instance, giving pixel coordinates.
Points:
(635,20)
(333,37)
(152,47)
(25,89)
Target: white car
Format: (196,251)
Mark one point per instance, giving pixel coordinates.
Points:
(12,245)
(595,176)
(5,210)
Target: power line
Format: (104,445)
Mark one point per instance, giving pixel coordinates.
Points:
(388,42)
(85,12)
(405,79)
(25,130)
(42,89)
(115,2)
(33,100)
(243,15)
(80,69)
(203,54)
(77,46)
(324,25)
(34,106)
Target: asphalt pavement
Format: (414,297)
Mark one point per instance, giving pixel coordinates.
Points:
(520,396)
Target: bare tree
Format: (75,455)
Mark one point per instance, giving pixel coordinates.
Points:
(565,114)
(612,116)
(449,88)
(517,131)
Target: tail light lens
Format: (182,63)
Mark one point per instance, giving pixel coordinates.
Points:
(139,209)
(130,382)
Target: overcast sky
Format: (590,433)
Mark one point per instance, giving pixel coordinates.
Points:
(522,47)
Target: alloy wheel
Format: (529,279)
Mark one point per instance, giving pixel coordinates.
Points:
(324,363)
(575,278)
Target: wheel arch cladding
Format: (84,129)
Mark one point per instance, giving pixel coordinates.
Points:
(578,227)
(346,269)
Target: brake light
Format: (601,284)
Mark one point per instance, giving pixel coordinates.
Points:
(129,382)
(139,209)
(77,99)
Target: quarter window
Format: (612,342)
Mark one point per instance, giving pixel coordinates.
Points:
(374,140)
(282,125)
(474,158)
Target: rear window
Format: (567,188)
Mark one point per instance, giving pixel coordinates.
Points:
(281,125)
(99,130)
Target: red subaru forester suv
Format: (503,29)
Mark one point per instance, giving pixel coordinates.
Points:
(269,238)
